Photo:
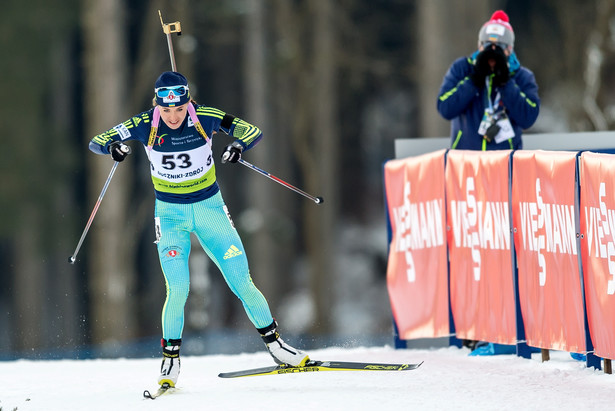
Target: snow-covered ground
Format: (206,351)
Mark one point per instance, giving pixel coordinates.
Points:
(448,379)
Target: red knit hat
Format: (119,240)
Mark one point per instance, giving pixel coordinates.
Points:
(497,30)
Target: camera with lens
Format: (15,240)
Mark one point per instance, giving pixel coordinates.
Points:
(494,128)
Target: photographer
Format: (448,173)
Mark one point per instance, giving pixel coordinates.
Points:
(489,97)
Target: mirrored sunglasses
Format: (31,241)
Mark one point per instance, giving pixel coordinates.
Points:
(178,91)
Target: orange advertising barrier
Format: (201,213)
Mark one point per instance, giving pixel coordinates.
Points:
(550,294)
(597,214)
(417,265)
(479,241)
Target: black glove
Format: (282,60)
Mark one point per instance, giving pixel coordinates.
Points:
(481,69)
(118,151)
(500,70)
(232,152)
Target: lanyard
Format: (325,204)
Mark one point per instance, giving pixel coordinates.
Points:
(496,100)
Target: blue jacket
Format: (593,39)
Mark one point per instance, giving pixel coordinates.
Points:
(464,104)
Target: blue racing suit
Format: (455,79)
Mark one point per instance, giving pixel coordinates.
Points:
(464,104)
(188,200)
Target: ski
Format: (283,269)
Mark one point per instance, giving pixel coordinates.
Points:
(313,366)
(162,390)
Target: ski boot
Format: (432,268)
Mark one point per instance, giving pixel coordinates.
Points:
(169,370)
(281,352)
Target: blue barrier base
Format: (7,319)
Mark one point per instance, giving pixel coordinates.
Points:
(594,361)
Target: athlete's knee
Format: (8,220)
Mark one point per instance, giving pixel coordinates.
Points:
(177,290)
(245,290)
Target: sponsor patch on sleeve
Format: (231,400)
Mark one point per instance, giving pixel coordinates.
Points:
(123,131)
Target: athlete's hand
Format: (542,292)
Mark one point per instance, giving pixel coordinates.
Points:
(118,151)
(232,152)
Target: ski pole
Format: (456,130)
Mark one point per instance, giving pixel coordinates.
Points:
(167,29)
(317,200)
(72,258)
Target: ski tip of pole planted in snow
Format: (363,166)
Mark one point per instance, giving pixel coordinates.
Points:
(319,200)
(71,259)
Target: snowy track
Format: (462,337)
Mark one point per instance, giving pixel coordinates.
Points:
(448,379)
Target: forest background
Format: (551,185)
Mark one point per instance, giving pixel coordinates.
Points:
(332,84)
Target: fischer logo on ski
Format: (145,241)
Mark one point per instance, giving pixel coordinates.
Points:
(313,366)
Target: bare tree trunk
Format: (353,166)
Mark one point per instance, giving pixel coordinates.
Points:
(598,49)
(310,103)
(151,57)
(29,284)
(264,262)
(111,246)
(446,31)
(63,307)
(46,310)
(322,164)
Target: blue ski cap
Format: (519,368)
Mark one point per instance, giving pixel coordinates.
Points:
(171,89)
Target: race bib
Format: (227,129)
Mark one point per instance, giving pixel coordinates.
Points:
(181,166)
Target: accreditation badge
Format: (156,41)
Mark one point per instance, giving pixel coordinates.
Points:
(485,123)
(506,129)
